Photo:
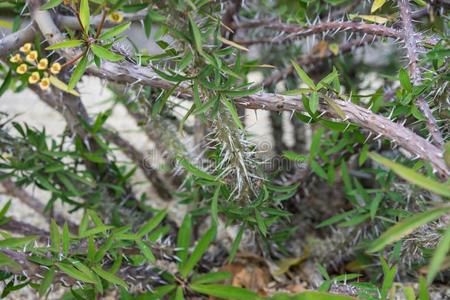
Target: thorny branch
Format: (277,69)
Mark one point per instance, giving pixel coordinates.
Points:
(295,31)
(380,126)
(412,53)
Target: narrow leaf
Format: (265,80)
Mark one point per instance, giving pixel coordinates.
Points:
(85,15)
(46,282)
(105,53)
(302,74)
(224,291)
(50,4)
(406,226)
(152,223)
(198,252)
(439,256)
(115,31)
(110,277)
(412,176)
(197,37)
(184,239)
(65,44)
(78,72)
(376,5)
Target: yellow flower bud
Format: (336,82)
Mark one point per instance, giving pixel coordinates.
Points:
(55,68)
(22,69)
(116,17)
(26,48)
(43,64)
(15,58)
(45,83)
(34,78)
(32,56)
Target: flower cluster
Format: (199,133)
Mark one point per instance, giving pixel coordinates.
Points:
(37,69)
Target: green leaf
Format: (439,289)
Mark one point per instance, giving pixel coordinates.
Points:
(306,79)
(404,80)
(110,277)
(336,108)
(115,31)
(54,236)
(224,291)
(314,102)
(196,171)
(146,251)
(62,86)
(46,282)
(179,294)
(85,15)
(105,53)
(314,295)
(161,101)
(388,279)
(315,143)
(412,176)
(198,252)
(235,245)
(5,260)
(423,289)
(152,223)
(6,83)
(78,72)
(233,113)
(315,166)
(196,34)
(65,44)
(184,239)
(294,156)
(65,239)
(75,273)
(214,206)
(16,242)
(95,230)
(212,277)
(405,227)
(439,256)
(50,4)
(5,209)
(376,5)
(261,224)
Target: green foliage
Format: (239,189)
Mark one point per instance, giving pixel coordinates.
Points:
(223,181)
